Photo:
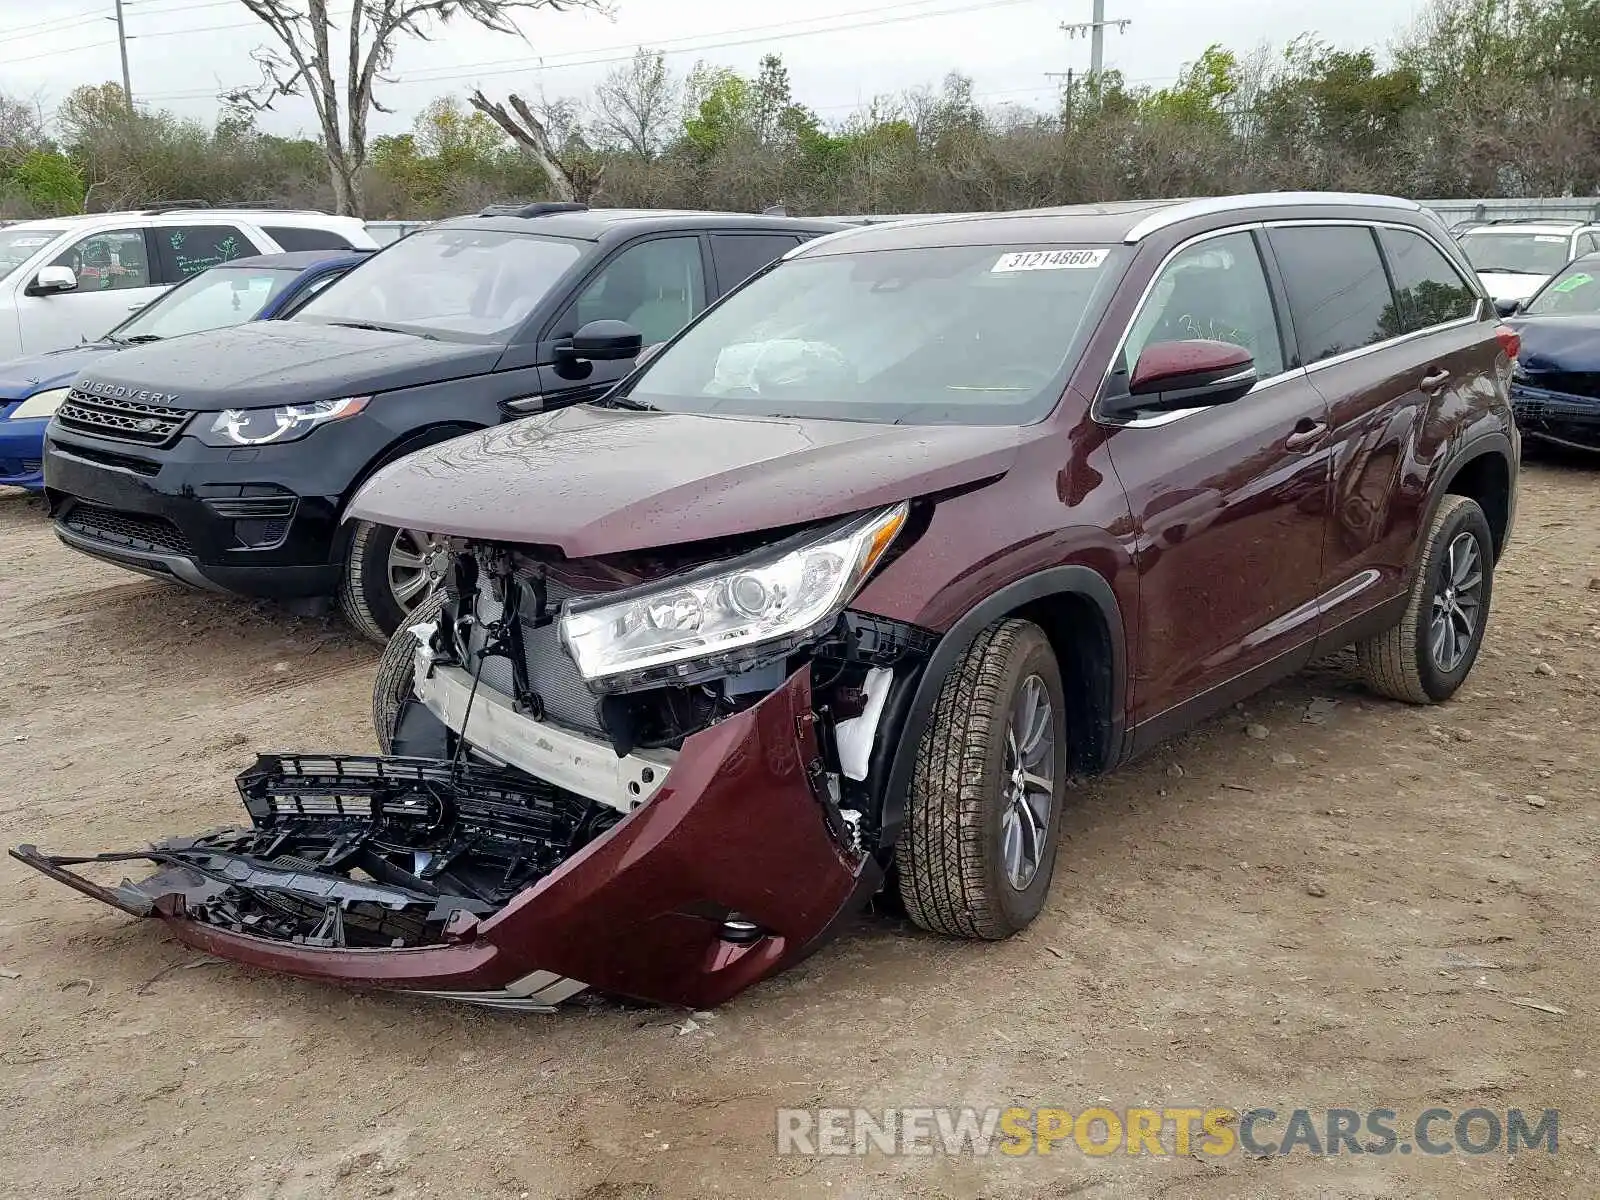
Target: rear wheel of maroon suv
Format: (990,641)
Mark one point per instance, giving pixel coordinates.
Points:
(984,811)
(1428,655)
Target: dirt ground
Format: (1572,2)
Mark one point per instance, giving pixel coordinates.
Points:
(1340,913)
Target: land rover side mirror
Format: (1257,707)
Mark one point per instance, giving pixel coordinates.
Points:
(603,341)
(51,280)
(1508,308)
(1197,373)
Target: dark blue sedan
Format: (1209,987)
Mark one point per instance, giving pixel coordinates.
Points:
(1555,387)
(267,287)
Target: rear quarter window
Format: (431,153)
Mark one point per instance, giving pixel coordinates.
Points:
(1339,295)
(1429,289)
(291,238)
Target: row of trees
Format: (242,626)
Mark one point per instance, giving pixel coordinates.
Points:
(1477,98)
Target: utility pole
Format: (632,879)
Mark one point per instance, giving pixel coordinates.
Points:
(1096,29)
(122,45)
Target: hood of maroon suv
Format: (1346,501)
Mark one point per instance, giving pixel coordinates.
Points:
(598,481)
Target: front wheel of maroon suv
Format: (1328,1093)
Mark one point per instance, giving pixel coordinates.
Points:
(1428,655)
(984,811)
(391,687)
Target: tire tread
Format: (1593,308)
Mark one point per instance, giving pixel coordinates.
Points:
(943,882)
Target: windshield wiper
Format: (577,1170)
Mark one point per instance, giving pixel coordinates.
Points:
(377,328)
(138,339)
(621,400)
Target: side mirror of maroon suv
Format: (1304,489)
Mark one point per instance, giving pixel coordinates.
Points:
(837,591)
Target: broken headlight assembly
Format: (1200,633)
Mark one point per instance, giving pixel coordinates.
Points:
(286,423)
(729,614)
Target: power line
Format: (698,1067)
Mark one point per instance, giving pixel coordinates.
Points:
(57,25)
(478,70)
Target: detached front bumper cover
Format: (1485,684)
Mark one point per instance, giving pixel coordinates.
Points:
(473,883)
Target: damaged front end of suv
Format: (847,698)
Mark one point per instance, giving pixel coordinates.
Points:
(652,774)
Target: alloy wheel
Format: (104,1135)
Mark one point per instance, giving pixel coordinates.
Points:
(1028,787)
(416,566)
(1457,604)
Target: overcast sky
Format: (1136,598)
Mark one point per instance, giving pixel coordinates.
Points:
(183,51)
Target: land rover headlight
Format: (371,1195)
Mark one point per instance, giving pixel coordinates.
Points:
(286,423)
(40,404)
(783,596)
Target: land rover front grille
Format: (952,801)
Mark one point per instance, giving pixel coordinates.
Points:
(120,420)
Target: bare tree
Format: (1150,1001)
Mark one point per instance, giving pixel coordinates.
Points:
(637,107)
(302,63)
(552,137)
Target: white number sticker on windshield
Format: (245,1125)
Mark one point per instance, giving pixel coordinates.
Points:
(1548,237)
(29,241)
(1050,260)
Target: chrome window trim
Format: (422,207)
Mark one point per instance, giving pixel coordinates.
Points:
(1160,419)
(1401,339)
(1210,205)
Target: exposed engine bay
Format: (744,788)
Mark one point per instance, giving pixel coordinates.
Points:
(498,636)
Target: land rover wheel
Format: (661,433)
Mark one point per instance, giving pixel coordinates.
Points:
(1428,655)
(387,572)
(984,811)
(392,686)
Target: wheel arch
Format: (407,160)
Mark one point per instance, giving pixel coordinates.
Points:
(1483,470)
(1077,609)
(407,443)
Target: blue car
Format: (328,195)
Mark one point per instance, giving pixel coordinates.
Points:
(1555,386)
(264,288)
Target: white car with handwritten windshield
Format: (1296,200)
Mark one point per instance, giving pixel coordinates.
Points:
(64,279)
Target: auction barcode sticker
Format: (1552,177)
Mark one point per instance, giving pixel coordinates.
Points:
(1051,260)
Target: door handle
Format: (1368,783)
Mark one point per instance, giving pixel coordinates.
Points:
(1307,433)
(135,307)
(1435,380)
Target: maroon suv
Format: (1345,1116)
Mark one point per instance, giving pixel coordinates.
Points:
(836,592)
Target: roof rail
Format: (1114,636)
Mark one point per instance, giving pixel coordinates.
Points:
(1573,221)
(1182,210)
(174,206)
(543,208)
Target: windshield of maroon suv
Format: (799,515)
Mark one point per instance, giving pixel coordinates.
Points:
(457,284)
(1516,253)
(956,335)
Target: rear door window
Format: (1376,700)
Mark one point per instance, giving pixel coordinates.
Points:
(1339,295)
(291,238)
(108,261)
(740,255)
(1430,290)
(186,250)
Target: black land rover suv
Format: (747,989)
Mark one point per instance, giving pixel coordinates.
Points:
(224,460)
